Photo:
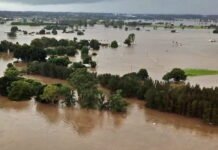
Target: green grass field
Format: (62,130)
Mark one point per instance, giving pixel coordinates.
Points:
(200,72)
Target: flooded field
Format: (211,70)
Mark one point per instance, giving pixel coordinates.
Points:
(33,126)
(158,50)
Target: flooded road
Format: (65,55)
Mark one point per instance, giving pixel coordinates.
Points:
(33,126)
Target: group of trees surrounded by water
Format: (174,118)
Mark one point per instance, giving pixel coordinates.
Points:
(57,66)
(40,49)
(17,88)
(182,99)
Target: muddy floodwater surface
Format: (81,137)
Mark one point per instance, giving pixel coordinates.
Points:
(33,126)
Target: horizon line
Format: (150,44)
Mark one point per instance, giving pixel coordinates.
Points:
(120,13)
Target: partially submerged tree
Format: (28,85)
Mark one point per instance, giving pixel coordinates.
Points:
(114,44)
(94,44)
(130,39)
(54,32)
(176,74)
(117,103)
(11,72)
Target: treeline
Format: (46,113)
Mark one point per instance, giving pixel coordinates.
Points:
(60,51)
(29,53)
(39,49)
(49,69)
(132,84)
(17,88)
(185,100)
(45,42)
(31,23)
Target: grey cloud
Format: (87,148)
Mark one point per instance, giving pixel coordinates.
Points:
(48,2)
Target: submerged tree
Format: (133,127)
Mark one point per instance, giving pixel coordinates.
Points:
(94,44)
(50,94)
(130,39)
(54,32)
(11,72)
(114,44)
(20,90)
(117,103)
(176,74)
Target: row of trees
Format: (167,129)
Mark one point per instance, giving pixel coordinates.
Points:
(62,50)
(186,100)
(49,69)
(59,61)
(29,53)
(132,84)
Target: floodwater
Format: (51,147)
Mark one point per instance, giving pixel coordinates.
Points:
(158,50)
(33,126)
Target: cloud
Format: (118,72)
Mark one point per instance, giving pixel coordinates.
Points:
(50,2)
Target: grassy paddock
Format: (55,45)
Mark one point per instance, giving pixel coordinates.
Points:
(200,72)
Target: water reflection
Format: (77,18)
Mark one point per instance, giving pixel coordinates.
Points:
(192,125)
(50,113)
(49,123)
(7,105)
(25,124)
(6,56)
(82,121)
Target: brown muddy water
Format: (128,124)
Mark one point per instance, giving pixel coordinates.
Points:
(158,50)
(33,126)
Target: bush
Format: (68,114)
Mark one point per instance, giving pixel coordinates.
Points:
(20,90)
(116,103)
(94,44)
(54,32)
(78,65)
(49,70)
(114,44)
(11,72)
(42,32)
(85,50)
(80,33)
(61,50)
(59,61)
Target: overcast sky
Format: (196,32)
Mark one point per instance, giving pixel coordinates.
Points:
(115,6)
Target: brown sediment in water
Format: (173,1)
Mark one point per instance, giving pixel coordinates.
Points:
(30,125)
(40,126)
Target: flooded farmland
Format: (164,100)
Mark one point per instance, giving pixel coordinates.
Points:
(30,125)
(158,50)
(51,127)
